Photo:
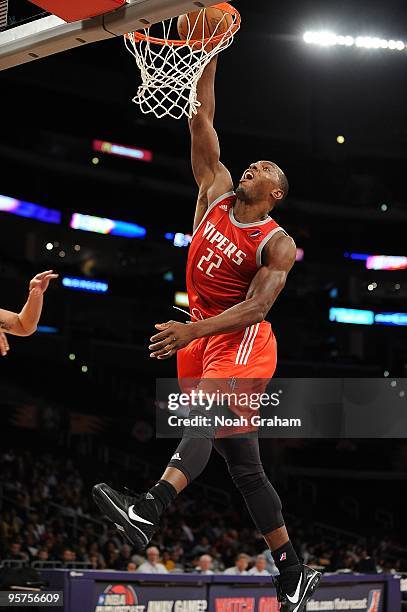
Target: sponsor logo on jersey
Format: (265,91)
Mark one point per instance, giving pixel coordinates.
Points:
(255,234)
(117,597)
(223,206)
(223,244)
(283,556)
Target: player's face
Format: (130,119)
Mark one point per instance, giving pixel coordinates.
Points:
(258,182)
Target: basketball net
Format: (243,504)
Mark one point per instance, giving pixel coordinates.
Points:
(170,69)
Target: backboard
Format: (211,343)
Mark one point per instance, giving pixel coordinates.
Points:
(28,33)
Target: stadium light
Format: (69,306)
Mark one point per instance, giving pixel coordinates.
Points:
(324,38)
(29,210)
(367,317)
(112,148)
(351,315)
(83,284)
(101,225)
(181,298)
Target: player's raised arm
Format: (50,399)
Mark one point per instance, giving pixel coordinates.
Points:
(25,323)
(212,177)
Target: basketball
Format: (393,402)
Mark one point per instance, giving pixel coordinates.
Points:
(202,24)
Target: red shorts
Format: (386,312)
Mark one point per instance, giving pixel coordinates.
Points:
(247,354)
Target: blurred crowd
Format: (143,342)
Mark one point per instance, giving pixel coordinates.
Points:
(47,517)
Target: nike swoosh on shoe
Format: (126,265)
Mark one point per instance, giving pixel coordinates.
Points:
(136,517)
(294,599)
(305,592)
(124,515)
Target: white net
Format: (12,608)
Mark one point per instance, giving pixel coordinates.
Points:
(170,70)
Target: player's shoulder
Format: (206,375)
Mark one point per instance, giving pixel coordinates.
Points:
(281,246)
(225,200)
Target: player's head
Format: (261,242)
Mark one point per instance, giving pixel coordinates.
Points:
(263,181)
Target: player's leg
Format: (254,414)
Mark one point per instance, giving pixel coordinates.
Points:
(194,450)
(240,448)
(242,455)
(138,516)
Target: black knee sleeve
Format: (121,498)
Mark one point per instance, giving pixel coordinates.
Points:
(261,498)
(246,469)
(194,450)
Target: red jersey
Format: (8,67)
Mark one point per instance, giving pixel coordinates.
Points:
(223,258)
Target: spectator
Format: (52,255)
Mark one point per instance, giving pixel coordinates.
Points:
(96,561)
(202,548)
(167,561)
(68,557)
(131,566)
(43,554)
(152,565)
(260,567)
(366,564)
(175,558)
(124,558)
(204,566)
(15,553)
(240,567)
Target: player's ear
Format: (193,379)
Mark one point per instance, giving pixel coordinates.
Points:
(278,194)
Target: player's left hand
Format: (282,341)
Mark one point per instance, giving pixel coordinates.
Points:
(39,284)
(172,337)
(4,346)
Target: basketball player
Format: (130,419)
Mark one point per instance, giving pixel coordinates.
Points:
(238,264)
(25,323)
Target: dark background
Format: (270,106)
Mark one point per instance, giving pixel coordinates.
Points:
(279,99)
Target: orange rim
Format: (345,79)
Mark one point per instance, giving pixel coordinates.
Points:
(224,6)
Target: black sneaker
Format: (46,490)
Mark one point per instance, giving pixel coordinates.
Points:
(297,601)
(135,516)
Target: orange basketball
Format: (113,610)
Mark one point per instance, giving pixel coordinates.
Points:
(203,23)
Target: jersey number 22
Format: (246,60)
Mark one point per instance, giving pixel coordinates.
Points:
(211,264)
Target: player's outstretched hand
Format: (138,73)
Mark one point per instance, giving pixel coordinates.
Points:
(172,337)
(4,346)
(39,284)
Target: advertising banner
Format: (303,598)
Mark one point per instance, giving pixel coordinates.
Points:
(367,597)
(353,598)
(136,597)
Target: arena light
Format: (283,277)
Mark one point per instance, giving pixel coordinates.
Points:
(356,256)
(101,225)
(111,148)
(179,239)
(367,317)
(351,315)
(181,299)
(29,210)
(84,284)
(299,254)
(325,38)
(386,262)
(391,318)
(47,329)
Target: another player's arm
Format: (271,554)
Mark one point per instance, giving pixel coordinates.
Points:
(212,178)
(4,345)
(279,257)
(25,322)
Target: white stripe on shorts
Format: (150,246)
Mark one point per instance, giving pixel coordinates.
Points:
(246,344)
(250,347)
